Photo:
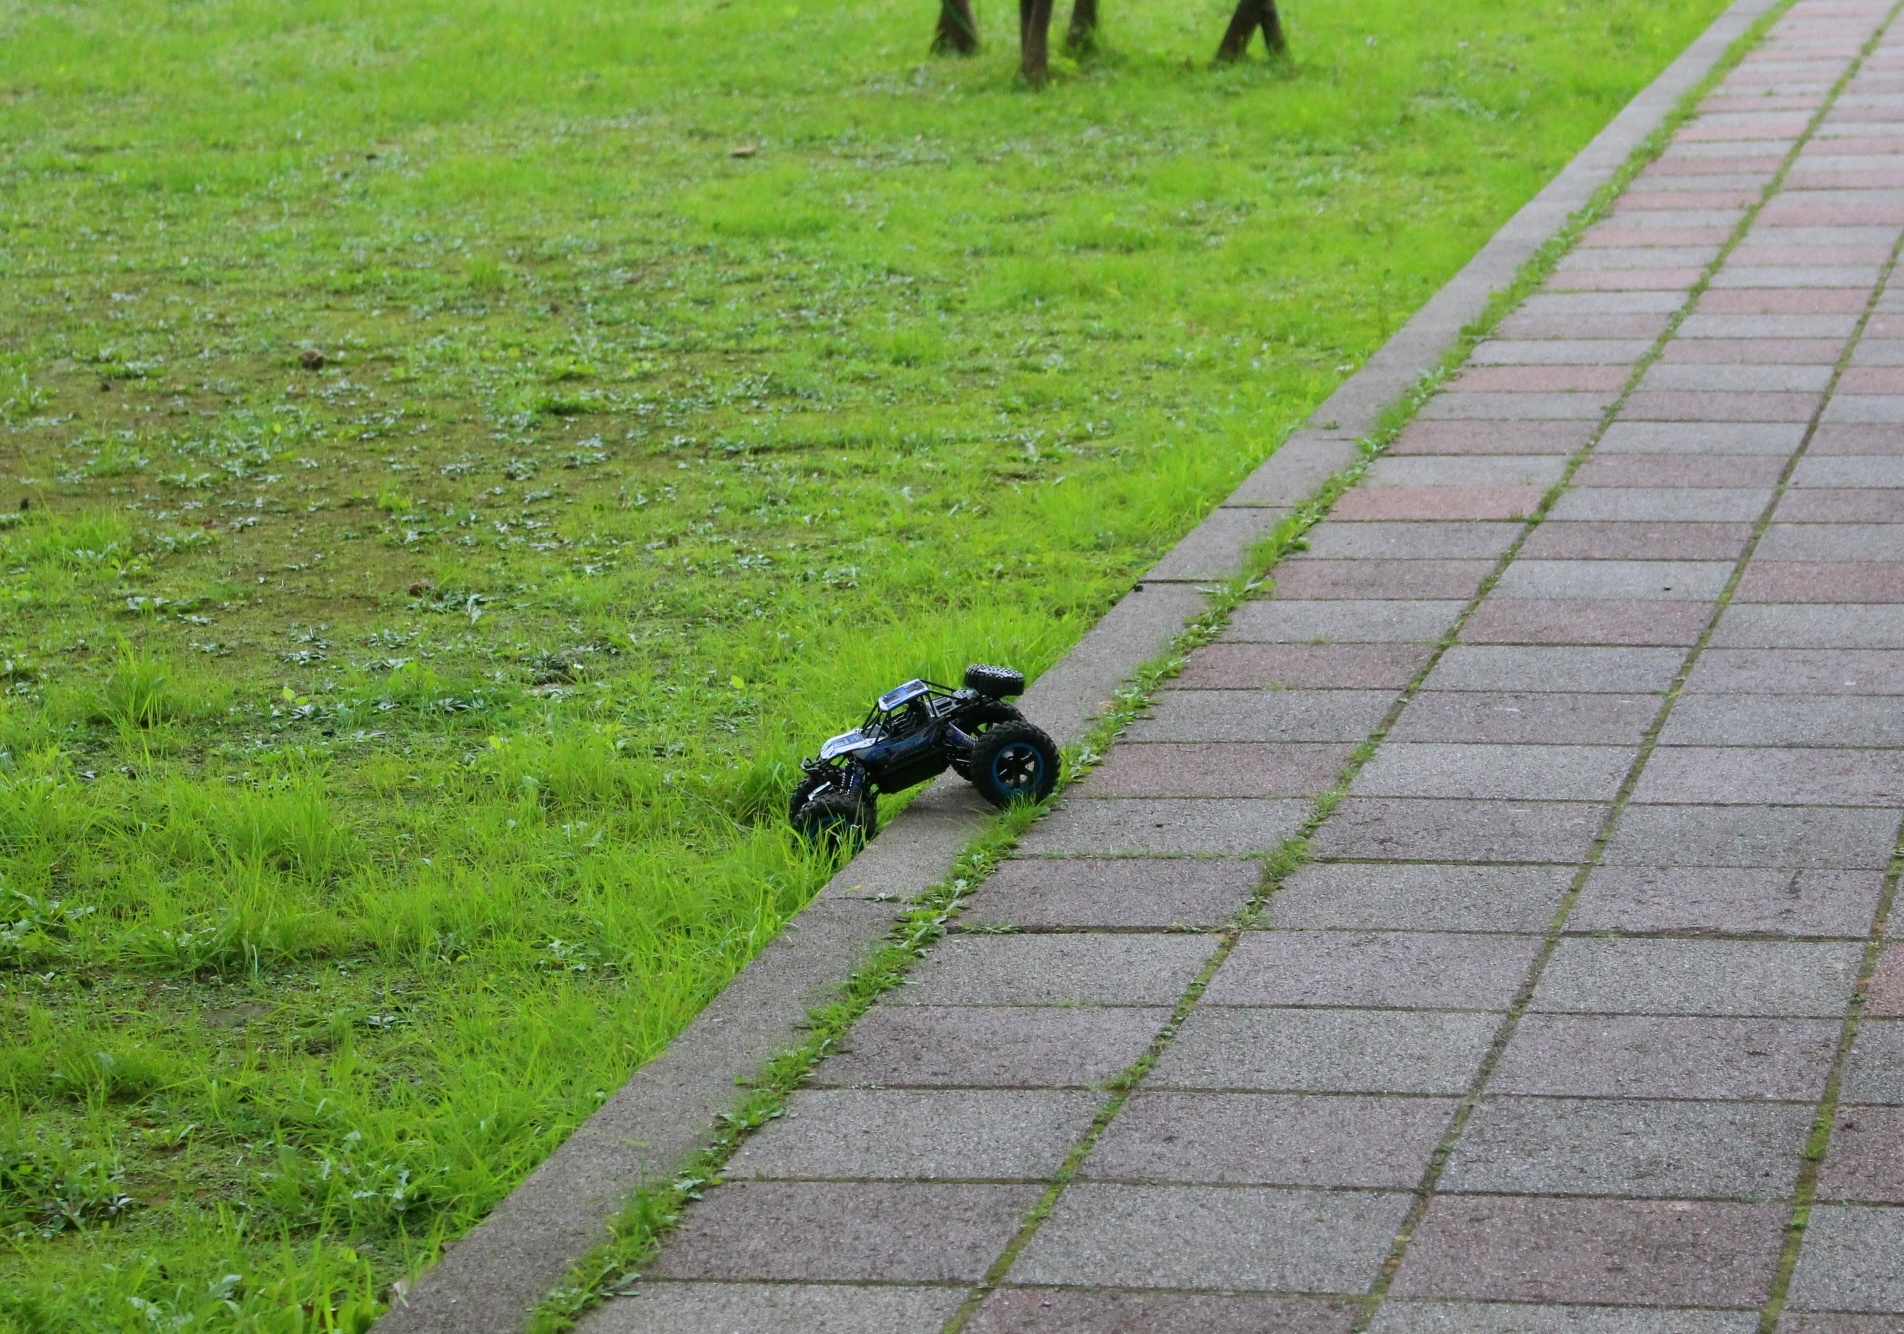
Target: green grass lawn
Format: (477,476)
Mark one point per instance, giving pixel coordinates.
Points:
(392,750)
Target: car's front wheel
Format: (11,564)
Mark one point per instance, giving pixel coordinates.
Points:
(837,819)
(975,722)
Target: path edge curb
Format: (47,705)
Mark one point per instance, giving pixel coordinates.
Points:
(491,1281)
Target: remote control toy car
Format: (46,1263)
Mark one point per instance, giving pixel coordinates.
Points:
(915,731)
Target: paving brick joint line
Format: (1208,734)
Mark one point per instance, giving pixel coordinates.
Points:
(1587,706)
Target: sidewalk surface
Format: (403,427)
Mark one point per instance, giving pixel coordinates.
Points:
(1578,1009)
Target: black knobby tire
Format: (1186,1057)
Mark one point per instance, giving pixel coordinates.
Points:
(802,793)
(837,820)
(994,682)
(1014,762)
(976,721)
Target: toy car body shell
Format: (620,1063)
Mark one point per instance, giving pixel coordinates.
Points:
(904,694)
(846,743)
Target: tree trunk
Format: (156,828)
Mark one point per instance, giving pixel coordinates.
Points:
(1272,29)
(1081,37)
(1034,41)
(1249,16)
(958,30)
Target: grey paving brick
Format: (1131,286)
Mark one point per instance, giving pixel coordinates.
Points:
(1717,977)
(1527,620)
(1634,1252)
(1531,718)
(1685,504)
(1493,437)
(1874,1073)
(1731,901)
(1785,720)
(1662,470)
(1056,970)
(1271,1139)
(1417,969)
(1796,837)
(1212,1237)
(1809,240)
(1768,326)
(1676,278)
(1107,1311)
(1831,542)
(772,1308)
(1798,672)
(1673,224)
(937,1046)
(1541,470)
(1852,1260)
(1518,407)
(1407,829)
(1840,1323)
(1636,257)
(1885,408)
(1307,577)
(1215,769)
(1364,622)
(1269,715)
(1561,351)
(858,1231)
(1645,1056)
(1405,1317)
(1885,352)
(1154,892)
(1411,541)
(1847,470)
(1615,233)
(1326,1051)
(1654,1150)
(1554,668)
(1737,379)
(1636,541)
(1605,303)
(917,1135)
(1528,772)
(1779,439)
(1790,776)
(1679,581)
(1697,405)
(1413,897)
(1296,666)
(1220,826)
(1751,351)
(1864,1162)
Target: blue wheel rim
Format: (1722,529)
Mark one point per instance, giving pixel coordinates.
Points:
(1019,768)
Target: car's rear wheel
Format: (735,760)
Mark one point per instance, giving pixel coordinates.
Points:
(1014,762)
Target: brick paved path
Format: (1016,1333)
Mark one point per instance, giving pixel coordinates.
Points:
(1540,1038)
